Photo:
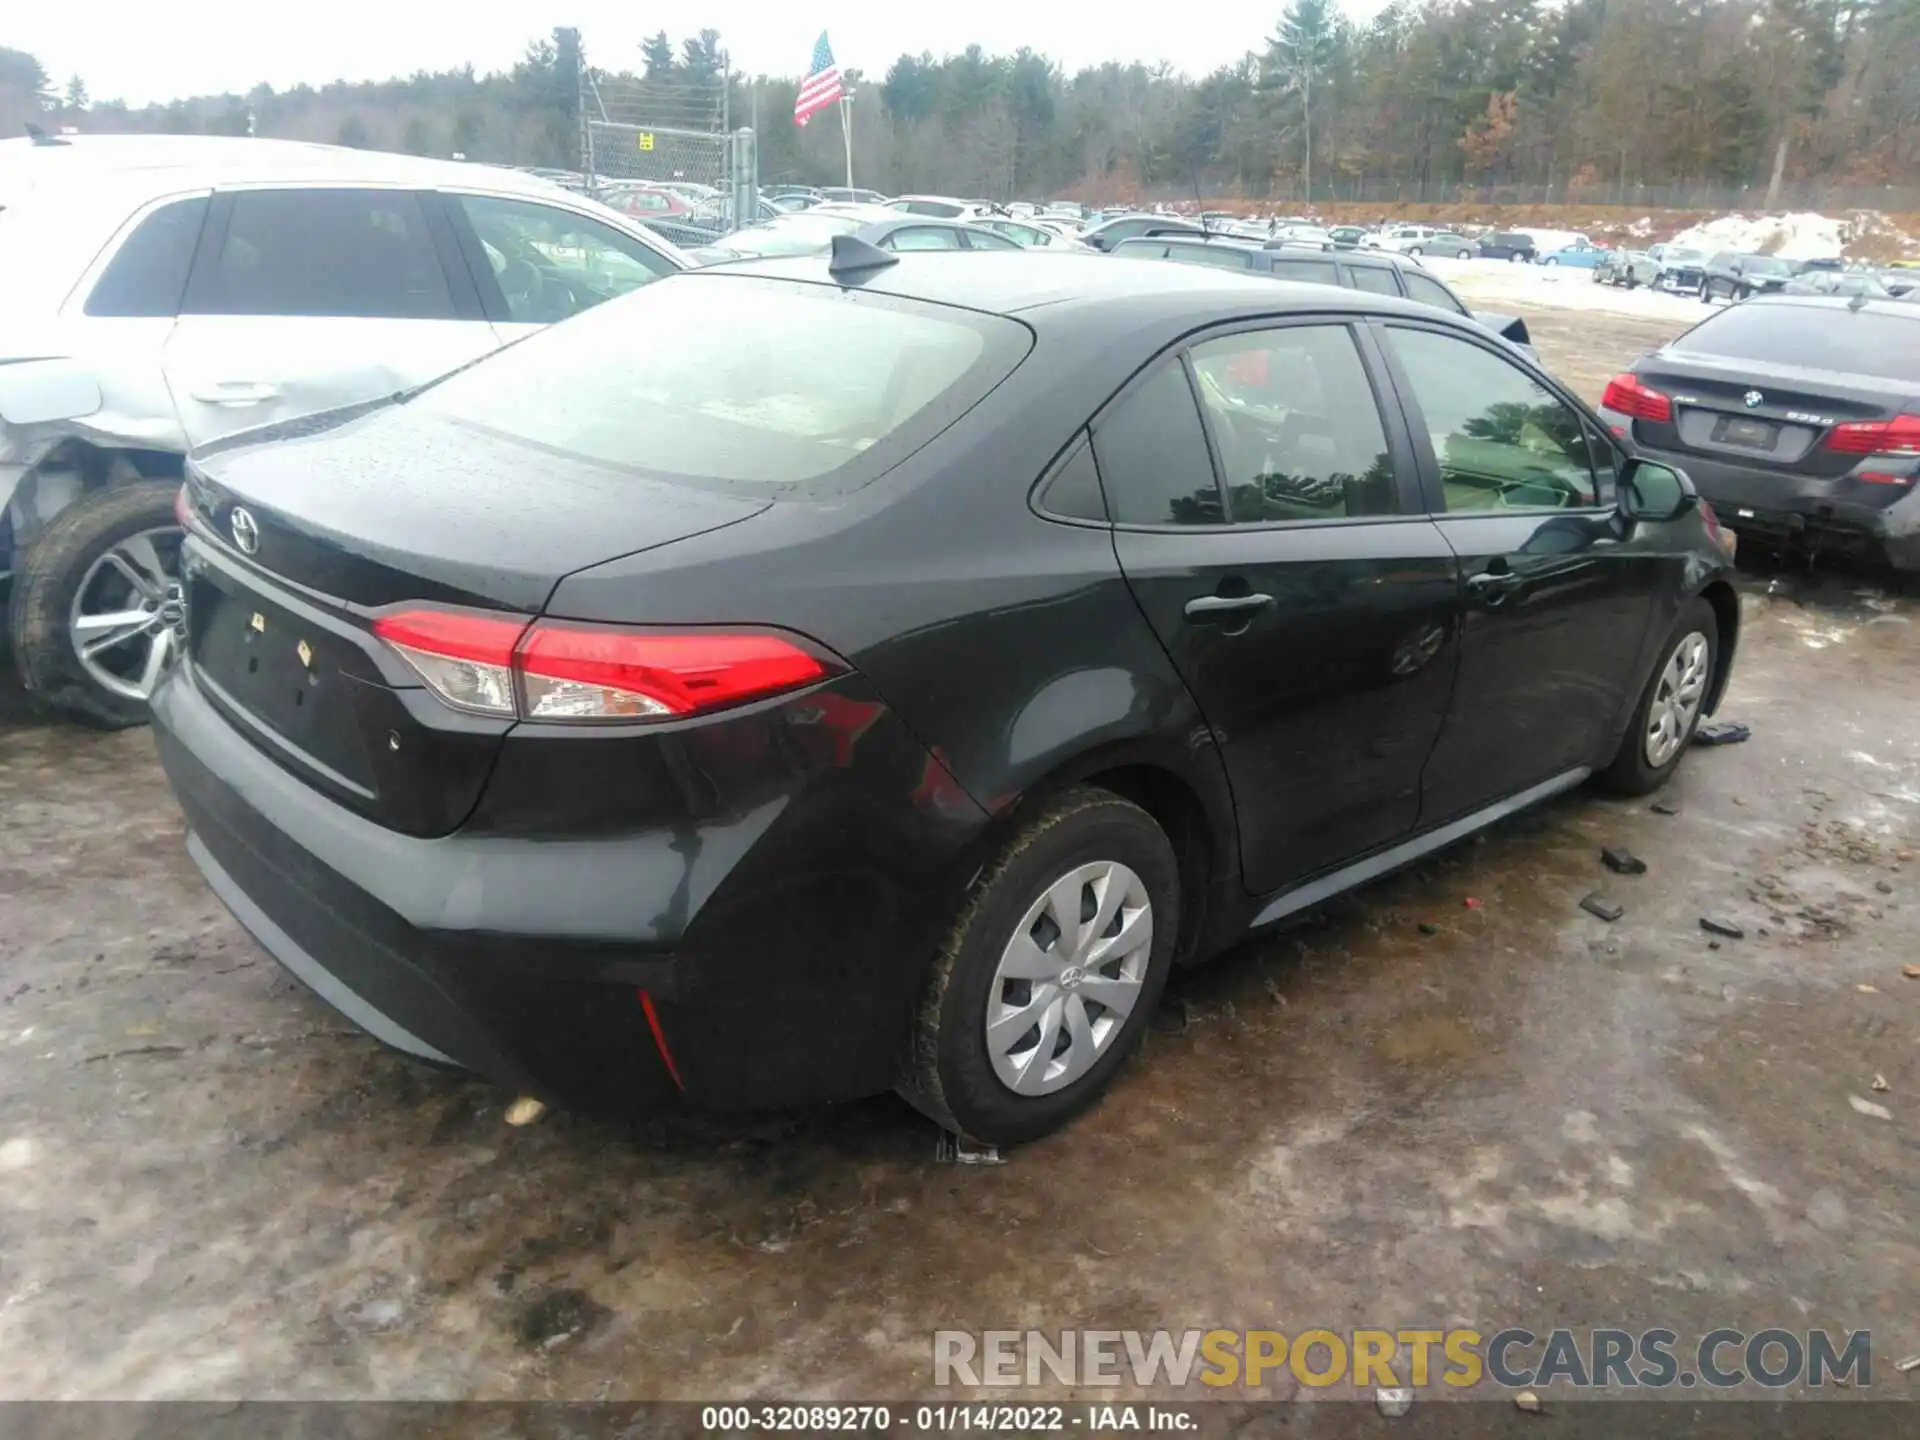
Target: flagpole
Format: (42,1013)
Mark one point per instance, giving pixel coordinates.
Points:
(846,131)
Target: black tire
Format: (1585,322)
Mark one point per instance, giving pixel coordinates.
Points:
(950,1076)
(1413,252)
(1631,772)
(1464,255)
(43,593)
(1549,261)
(1706,292)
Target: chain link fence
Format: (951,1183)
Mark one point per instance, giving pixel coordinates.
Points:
(665,152)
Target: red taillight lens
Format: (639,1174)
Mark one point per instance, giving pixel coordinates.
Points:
(182,507)
(1626,394)
(1898,436)
(563,671)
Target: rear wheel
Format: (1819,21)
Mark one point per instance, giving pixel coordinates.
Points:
(1549,261)
(1048,976)
(1670,708)
(96,605)
(1464,255)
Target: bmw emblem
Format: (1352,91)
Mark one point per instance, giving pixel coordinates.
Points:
(246,534)
(1753,398)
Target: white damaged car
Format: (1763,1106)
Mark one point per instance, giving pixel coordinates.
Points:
(159,293)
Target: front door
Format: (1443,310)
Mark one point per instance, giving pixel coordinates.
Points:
(1557,594)
(1266,517)
(303,300)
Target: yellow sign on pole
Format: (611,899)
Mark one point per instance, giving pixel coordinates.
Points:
(646,139)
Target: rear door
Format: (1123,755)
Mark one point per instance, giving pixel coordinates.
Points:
(1557,595)
(1266,518)
(303,299)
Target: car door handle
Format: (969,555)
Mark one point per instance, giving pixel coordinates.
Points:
(1203,608)
(237,392)
(1492,587)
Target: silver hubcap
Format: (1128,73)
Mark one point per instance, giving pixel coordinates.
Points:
(1069,978)
(1676,703)
(127,614)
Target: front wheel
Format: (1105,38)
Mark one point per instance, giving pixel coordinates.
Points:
(1670,708)
(96,609)
(1413,252)
(1047,977)
(1464,255)
(1549,261)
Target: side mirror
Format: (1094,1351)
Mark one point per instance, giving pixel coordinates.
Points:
(1656,493)
(38,392)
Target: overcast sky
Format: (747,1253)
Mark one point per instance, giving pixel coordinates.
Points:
(140,51)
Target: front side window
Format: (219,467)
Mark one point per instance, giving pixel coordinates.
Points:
(363,253)
(1502,440)
(1295,425)
(550,263)
(986,240)
(738,383)
(1429,291)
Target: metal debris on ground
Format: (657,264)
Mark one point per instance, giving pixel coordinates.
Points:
(1622,861)
(1912,972)
(1912,1362)
(1721,732)
(1528,1401)
(1722,927)
(1472,903)
(952,1149)
(1598,904)
(525,1111)
(1880,1083)
(1867,1107)
(1393,1403)
(1866,989)
(1666,807)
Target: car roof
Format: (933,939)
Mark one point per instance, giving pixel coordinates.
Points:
(1043,291)
(166,164)
(1844,304)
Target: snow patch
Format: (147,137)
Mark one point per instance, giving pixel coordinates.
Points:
(1804,236)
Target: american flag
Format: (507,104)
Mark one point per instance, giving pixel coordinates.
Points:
(822,85)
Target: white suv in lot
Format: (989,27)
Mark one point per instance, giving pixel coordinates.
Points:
(158,293)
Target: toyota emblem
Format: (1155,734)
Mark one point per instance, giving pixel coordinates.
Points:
(246,534)
(1754,399)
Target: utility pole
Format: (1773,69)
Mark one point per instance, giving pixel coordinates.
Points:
(846,131)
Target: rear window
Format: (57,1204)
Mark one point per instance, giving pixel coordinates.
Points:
(739,383)
(1862,342)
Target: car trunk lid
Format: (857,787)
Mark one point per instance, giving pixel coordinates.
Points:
(300,546)
(1761,414)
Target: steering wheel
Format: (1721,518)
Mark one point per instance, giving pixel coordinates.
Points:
(524,288)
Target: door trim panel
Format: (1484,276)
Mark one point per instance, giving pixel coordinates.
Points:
(1301,897)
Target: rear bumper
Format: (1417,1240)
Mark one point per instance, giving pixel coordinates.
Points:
(780,947)
(1831,514)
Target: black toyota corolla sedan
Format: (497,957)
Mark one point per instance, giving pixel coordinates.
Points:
(819,676)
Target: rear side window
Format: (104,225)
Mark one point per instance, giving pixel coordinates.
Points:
(1429,291)
(923,237)
(987,240)
(1854,342)
(363,253)
(1380,282)
(1074,489)
(148,273)
(738,383)
(1153,458)
(1314,272)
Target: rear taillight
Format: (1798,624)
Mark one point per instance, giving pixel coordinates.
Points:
(1723,538)
(182,507)
(1898,436)
(554,670)
(1629,396)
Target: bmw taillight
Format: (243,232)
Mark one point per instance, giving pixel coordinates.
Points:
(565,671)
(1898,436)
(1627,394)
